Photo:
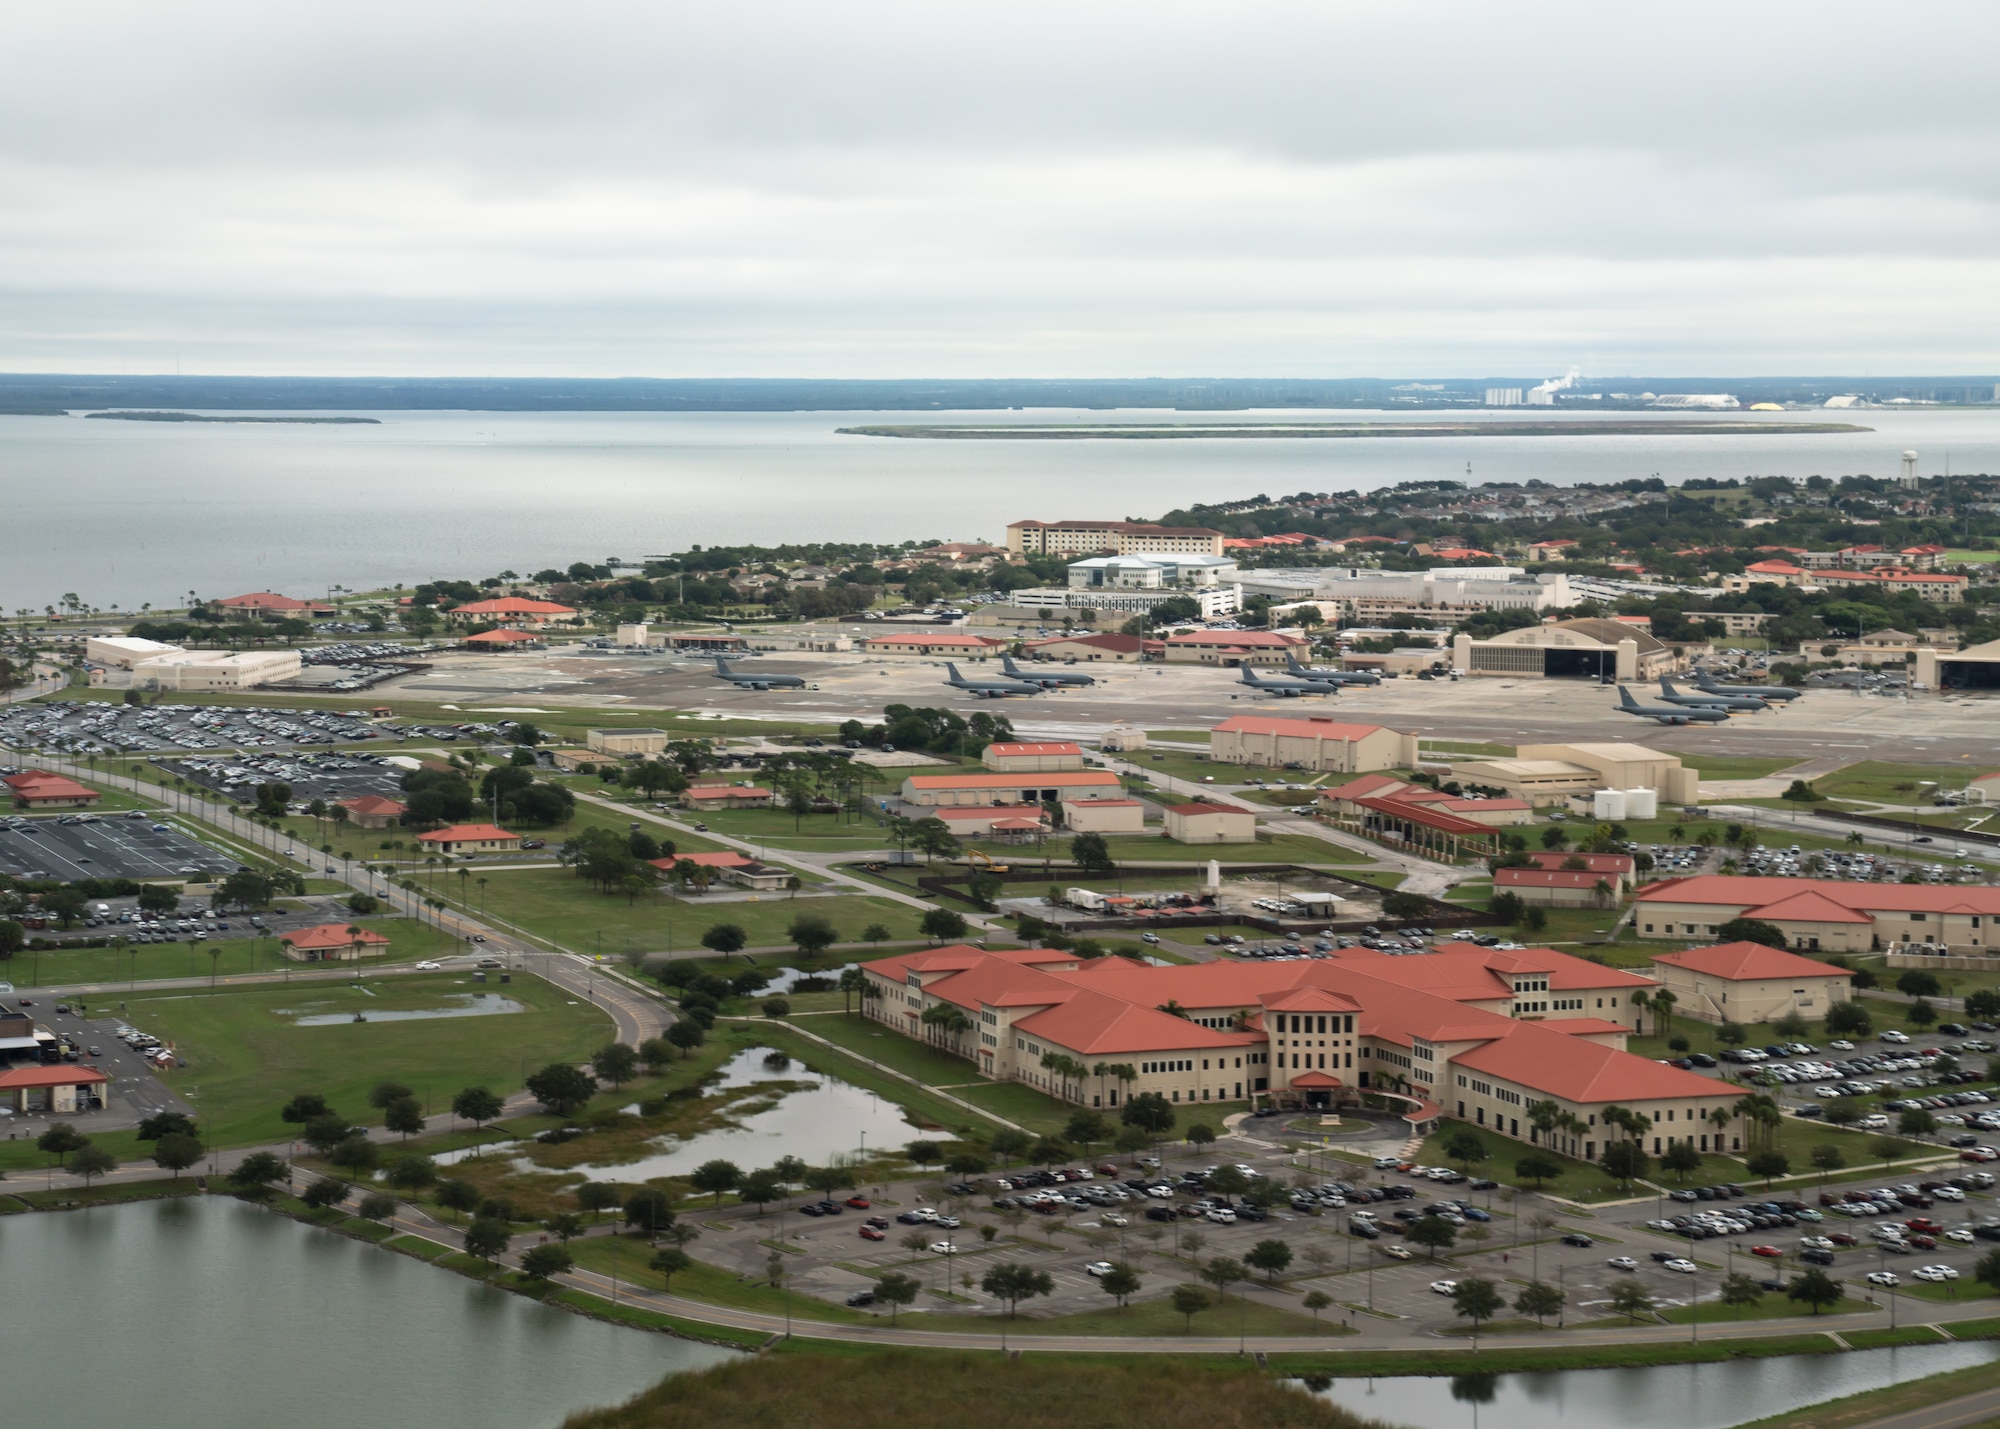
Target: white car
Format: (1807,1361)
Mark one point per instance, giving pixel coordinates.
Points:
(1892,1035)
(1843,1045)
(1883,1277)
(1444,1287)
(1399,1252)
(1685,1267)
(1962,1237)
(1622,1262)
(1099,1267)
(1814,1242)
(1112,1218)
(1877,1122)
(428,967)
(1387,1163)
(943,1247)
(1948,1193)
(1222,1216)
(1935,1273)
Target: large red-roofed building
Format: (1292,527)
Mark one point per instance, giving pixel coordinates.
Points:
(1482,1035)
(1821,915)
(39,789)
(1748,982)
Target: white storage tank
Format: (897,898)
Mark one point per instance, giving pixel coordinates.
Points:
(1642,803)
(1608,804)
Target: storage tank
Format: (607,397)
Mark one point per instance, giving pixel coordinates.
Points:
(1608,804)
(1642,803)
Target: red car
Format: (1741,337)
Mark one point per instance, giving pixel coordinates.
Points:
(859,1203)
(1769,1252)
(873,1233)
(1924,1242)
(1924,1224)
(1842,1238)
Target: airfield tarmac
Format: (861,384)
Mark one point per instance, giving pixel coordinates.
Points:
(1830,726)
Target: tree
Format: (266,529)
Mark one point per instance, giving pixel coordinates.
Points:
(1680,1158)
(1316,1301)
(1149,1112)
(687,1035)
(1466,1147)
(561,1088)
(1477,1300)
(1624,1161)
(1188,1302)
(487,1239)
(1200,1135)
(1919,983)
(1121,1283)
(724,938)
(1092,854)
(670,1261)
(1848,1019)
(1750,930)
(165,1123)
(1768,1164)
(1405,906)
(1537,1169)
(1987,1271)
(615,1063)
(716,1177)
(326,1193)
(256,1171)
(1827,1159)
(60,1140)
(596,1197)
(459,1197)
(1916,1122)
(812,934)
(650,1209)
(1013,1282)
(305,1107)
(404,1116)
(356,1154)
(1538,1299)
(90,1162)
(543,1263)
(565,1226)
(1008,1145)
(376,1207)
(776,1007)
(925,1153)
(896,1290)
(1741,1291)
(1270,1256)
(176,1151)
(1629,1298)
(940,924)
(1433,1233)
(1222,1272)
(1920,1014)
(1815,1288)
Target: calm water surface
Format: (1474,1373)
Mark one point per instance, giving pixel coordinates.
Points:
(209,1314)
(1709,1396)
(133,512)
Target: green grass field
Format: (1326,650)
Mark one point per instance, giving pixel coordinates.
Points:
(221,958)
(1731,766)
(245,1056)
(555,905)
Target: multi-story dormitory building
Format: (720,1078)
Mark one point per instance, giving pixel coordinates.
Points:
(1464,1031)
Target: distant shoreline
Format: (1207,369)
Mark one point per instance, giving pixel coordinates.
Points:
(1325,430)
(198,417)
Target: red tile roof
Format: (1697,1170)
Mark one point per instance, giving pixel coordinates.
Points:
(264,600)
(1007,751)
(512,605)
(1233,639)
(1378,784)
(1596,862)
(954,640)
(503,637)
(1579,1070)
(1747,893)
(466,833)
(705,792)
(1546,878)
(373,805)
(1045,779)
(722,858)
(16,1078)
(1418,814)
(1740,962)
(1124,644)
(34,784)
(332,935)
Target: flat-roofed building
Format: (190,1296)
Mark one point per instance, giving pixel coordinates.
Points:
(978,790)
(1545,774)
(1086,538)
(1210,824)
(953,644)
(1320,743)
(122,652)
(1104,816)
(626,741)
(1748,982)
(1589,648)
(727,796)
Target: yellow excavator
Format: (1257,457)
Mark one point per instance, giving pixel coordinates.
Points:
(979,861)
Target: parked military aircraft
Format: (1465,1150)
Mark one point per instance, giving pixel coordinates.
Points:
(990,689)
(756,682)
(1047,679)
(1669,714)
(1780,693)
(1287,689)
(1739,704)
(1331,677)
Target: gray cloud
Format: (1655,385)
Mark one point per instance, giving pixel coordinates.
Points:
(879,189)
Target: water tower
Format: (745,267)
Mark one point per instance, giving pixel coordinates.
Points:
(1909,469)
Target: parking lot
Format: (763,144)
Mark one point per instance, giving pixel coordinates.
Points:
(346,774)
(73,846)
(85,728)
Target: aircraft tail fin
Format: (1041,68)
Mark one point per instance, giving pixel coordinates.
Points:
(722,666)
(1625,698)
(956,678)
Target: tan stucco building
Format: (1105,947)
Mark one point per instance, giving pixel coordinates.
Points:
(1210,824)
(626,741)
(1748,982)
(1322,744)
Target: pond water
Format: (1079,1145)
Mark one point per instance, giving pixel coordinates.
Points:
(1708,1396)
(464,1004)
(830,1119)
(783,979)
(211,1312)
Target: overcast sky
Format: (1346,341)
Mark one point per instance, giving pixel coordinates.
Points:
(1074,189)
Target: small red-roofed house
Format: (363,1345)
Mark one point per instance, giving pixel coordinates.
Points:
(1748,982)
(38,789)
(503,640)
(470,838)
(373,811)
(333,943)
(514,609)
(58,1089)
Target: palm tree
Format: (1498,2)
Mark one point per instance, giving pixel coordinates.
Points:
(1720,1118)
(1173,1009)
(1677,833)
